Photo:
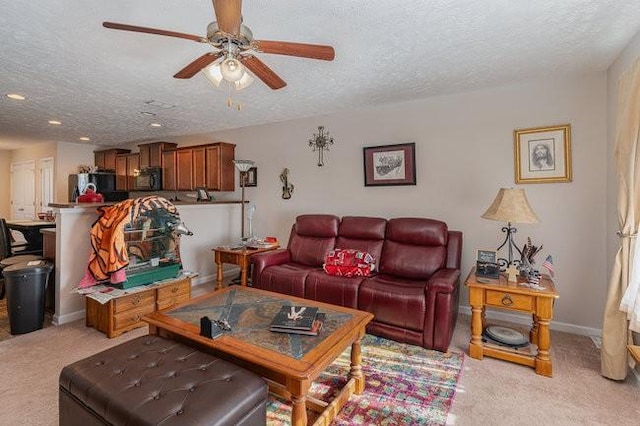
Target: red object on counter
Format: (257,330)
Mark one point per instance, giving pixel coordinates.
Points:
(90,195)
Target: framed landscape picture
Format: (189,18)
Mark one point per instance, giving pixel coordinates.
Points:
(390,165)
(543,154)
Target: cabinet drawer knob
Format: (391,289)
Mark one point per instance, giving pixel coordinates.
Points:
(137,317)
(506,300)
(174,289)
(136,300)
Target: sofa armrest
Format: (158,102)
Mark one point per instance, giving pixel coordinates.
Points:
(263,260)
(444,281)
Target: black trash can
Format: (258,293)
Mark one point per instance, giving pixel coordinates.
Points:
(26,284)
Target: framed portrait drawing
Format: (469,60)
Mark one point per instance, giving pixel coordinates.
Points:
(390,165)
(543,154)
(251,179)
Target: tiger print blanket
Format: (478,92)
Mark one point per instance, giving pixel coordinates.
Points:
(108,248)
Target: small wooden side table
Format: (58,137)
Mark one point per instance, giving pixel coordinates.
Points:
(501,294)
(239,256)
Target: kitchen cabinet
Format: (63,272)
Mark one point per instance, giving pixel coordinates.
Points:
(168,170)
(220,168)
(127,167)
(105,159)
(209,166)
(151,153)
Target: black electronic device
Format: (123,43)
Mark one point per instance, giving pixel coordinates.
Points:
(209,328)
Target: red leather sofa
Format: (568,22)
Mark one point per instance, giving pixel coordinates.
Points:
(413,292)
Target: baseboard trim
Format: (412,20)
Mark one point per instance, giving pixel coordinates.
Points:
(524,320)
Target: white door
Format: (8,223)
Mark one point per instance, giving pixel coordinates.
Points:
(23,190)
(46,184)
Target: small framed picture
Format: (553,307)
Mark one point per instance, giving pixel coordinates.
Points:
(390,165)
(487,264)
(202,194)
(251,179)
(543,154)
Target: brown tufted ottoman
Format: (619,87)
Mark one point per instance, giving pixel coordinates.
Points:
(155,381)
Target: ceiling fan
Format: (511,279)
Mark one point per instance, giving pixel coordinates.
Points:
(234,43)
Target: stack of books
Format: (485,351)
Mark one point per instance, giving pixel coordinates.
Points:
(298,320)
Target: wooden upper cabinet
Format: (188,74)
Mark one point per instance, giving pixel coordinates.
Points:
(220,169)
(209,166)
(126,168)
(151,153)
(168,170)
(105,159)
(184,169)
(199,167)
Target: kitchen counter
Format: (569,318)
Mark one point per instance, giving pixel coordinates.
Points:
(72,205)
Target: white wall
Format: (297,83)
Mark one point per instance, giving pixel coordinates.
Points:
(69,157)
(5,183)
(464,151)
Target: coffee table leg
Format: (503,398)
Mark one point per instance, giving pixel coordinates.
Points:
(219,275)
(298,410)
(356,366)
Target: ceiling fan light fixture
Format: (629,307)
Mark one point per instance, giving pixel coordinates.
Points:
(232,70)
(213,74)
(245,81)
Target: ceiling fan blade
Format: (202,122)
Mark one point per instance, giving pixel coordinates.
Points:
(194,67)
(228,15)
(116,26)
(304,50)
(263,72)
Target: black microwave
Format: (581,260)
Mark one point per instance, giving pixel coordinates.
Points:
(148,179)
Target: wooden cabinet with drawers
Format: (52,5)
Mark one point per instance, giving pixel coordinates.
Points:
(125,313)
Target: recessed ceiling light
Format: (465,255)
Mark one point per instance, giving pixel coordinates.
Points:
(16,97)
(56,122)
(84,138)
(155,125)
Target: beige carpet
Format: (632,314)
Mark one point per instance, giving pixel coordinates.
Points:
(491,392)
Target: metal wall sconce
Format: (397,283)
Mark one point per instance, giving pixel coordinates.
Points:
(320,142)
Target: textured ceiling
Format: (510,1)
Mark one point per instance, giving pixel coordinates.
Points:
(97,81)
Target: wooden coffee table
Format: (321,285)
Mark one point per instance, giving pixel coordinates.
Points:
(289,362)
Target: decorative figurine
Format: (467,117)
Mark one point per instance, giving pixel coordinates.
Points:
(287,188)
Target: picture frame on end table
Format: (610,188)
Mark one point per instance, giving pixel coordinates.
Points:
(543,154)
(487,264)
(387,165)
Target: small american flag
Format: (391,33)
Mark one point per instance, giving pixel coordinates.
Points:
(548,263)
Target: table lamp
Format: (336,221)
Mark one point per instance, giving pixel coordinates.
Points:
(243,166)
(511,206)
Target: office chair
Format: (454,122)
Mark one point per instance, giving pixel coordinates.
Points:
(7,256)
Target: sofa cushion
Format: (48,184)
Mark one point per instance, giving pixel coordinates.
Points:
(287,278)
(348,263)
(414,248)
(311,239)
(341,291)
(394,301)
(362,233)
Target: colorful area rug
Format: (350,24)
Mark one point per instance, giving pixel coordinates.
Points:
(405,385)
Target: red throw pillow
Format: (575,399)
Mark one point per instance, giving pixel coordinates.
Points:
(349,263)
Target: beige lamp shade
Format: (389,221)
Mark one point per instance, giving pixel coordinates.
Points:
(511,206)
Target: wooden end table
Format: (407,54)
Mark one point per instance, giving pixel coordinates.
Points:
(501,294)
(236,256)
